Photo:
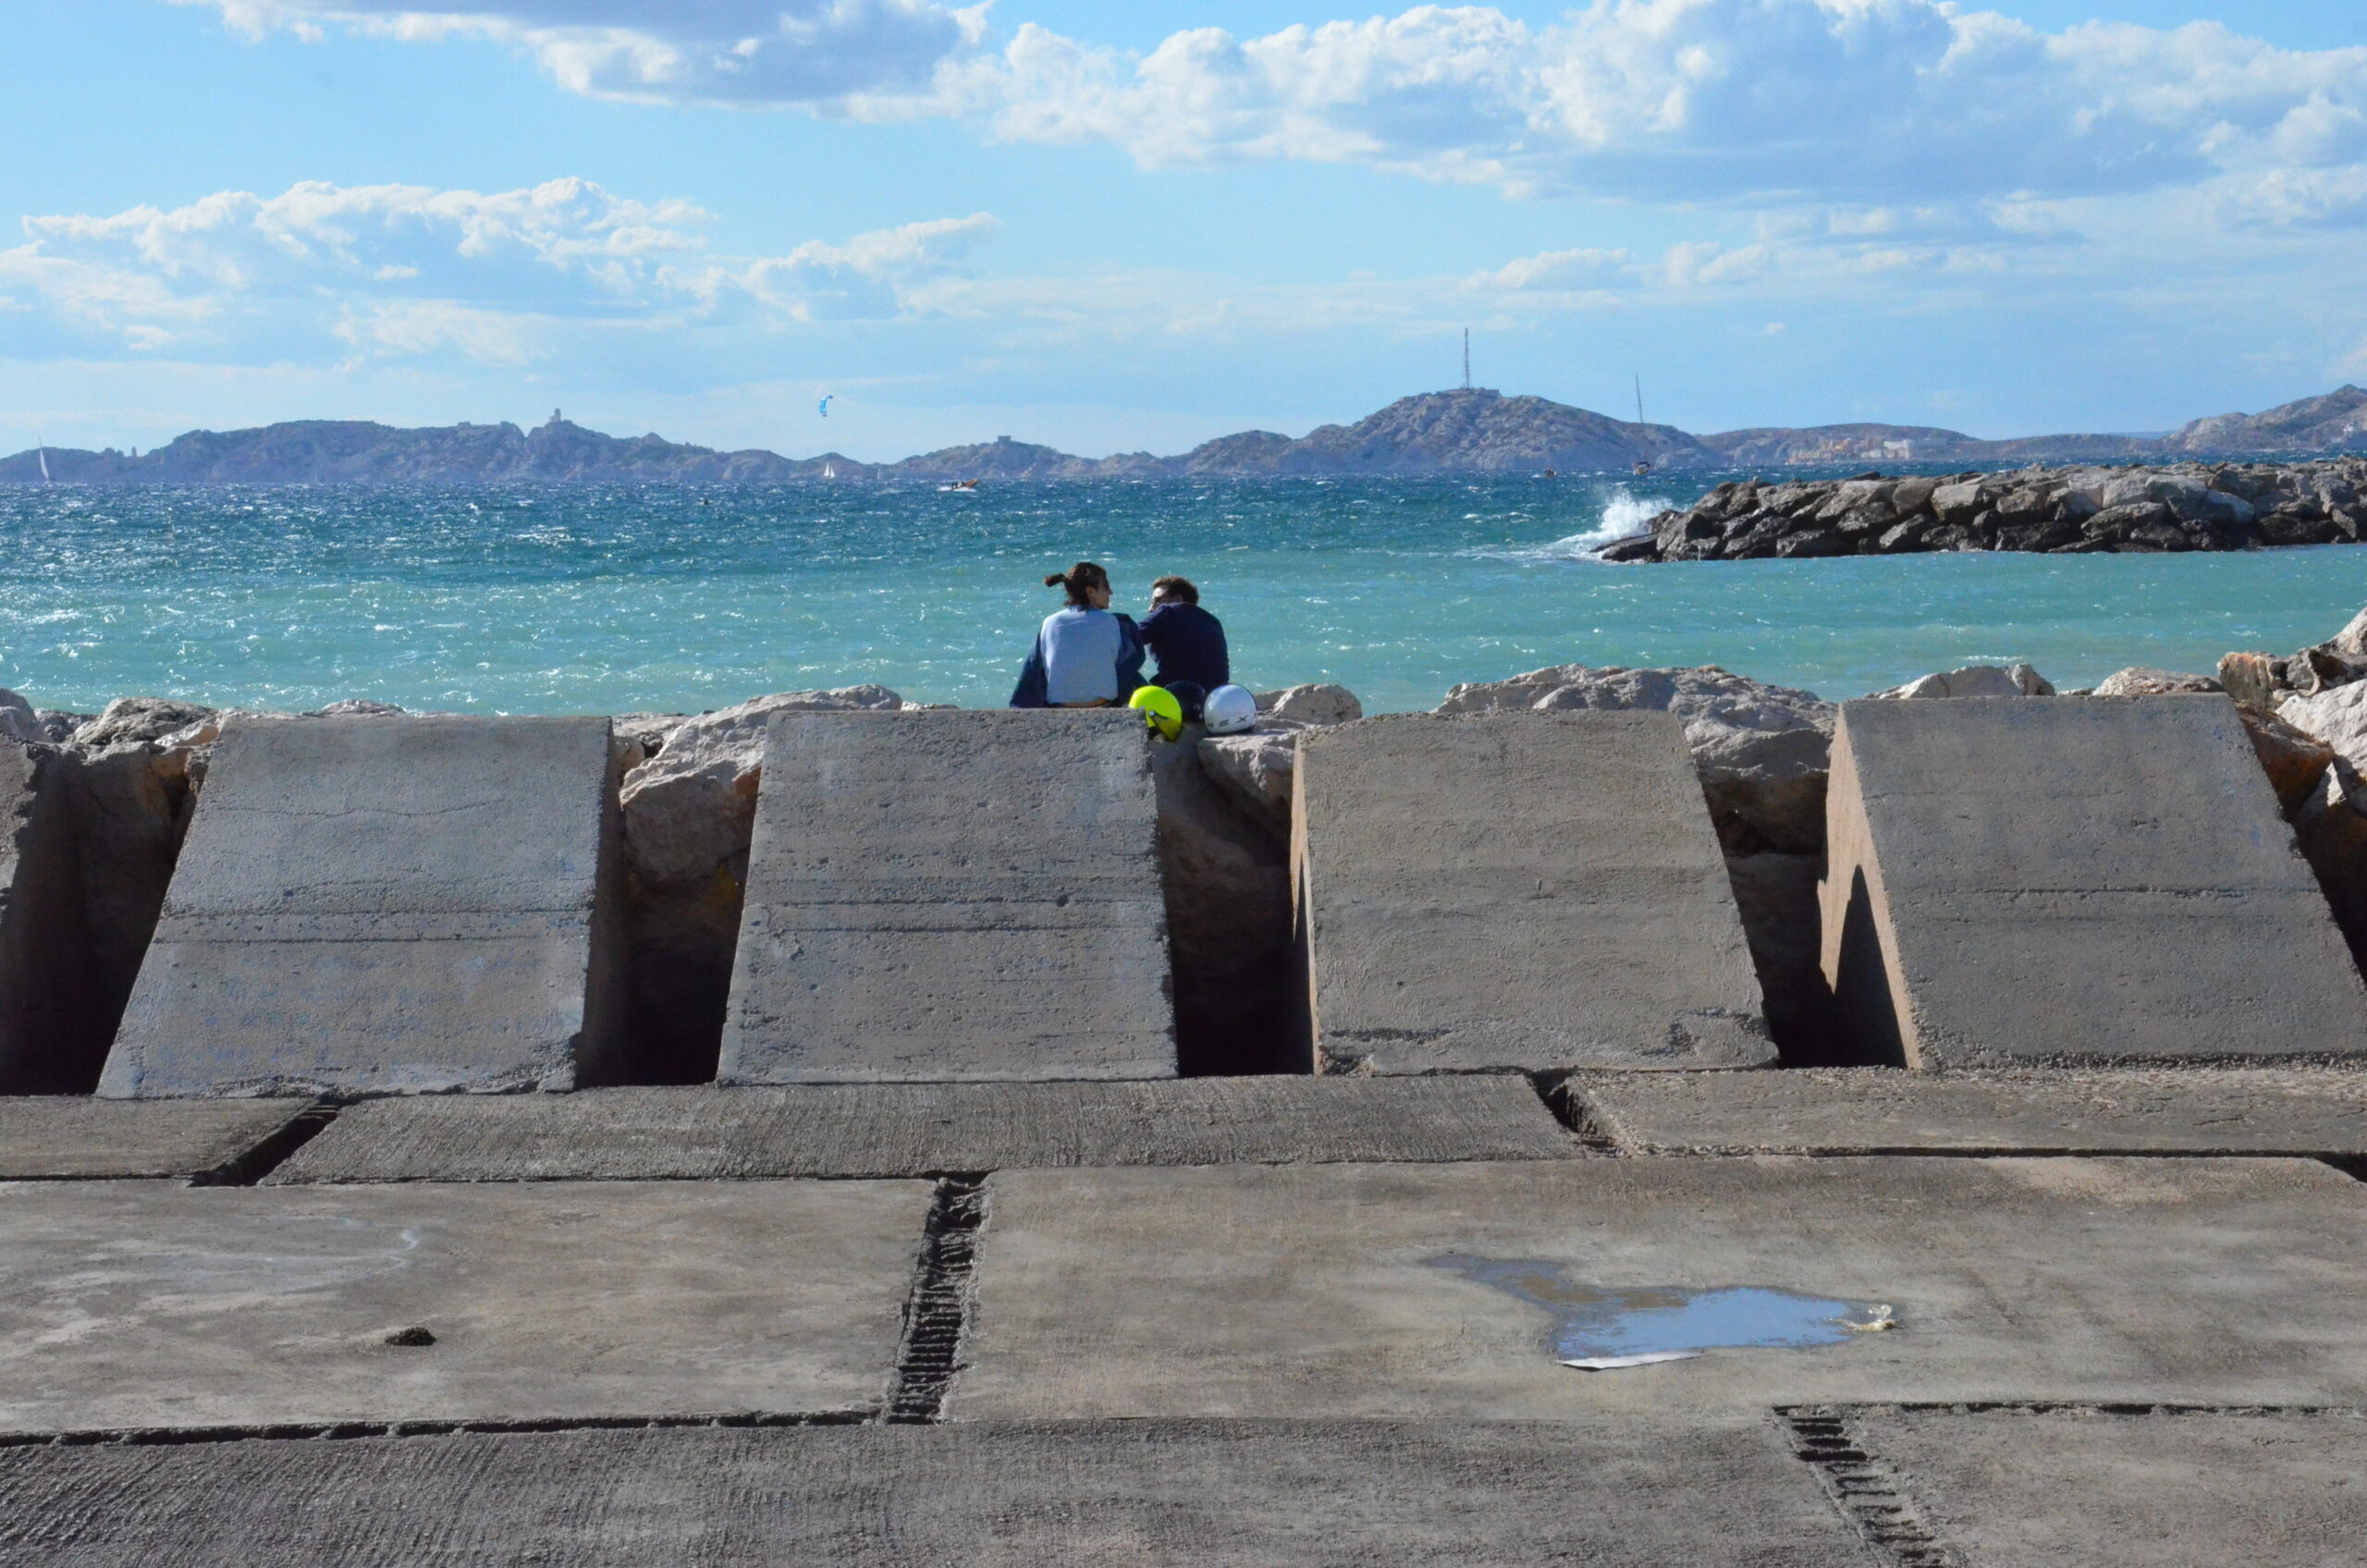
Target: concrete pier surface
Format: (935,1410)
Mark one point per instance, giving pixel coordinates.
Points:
(143,1303)
(42,984)
(1342,1290)
(1244,1494)
(77,1137)
(952,895)
(382,905)
(2092,880)
(1530,890)
(2039,1488)
(916,1128)
(2310,1112)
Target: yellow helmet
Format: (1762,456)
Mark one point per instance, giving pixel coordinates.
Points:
(1161,711)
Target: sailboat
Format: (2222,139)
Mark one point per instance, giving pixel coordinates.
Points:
(40,455)
(830,471)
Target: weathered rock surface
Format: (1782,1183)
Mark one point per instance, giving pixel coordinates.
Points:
(1760,750)
(1256,768)
(688,813)
(2138,680)
(2188,506)
(18,721)
(1976,680)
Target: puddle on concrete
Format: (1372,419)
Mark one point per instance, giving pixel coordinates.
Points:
(1598,1323)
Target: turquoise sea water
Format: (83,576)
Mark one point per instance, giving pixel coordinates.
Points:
(595,599)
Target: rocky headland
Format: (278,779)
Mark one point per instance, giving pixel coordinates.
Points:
(1467,430)
(2056,511)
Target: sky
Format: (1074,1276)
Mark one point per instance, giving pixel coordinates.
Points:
(1126,227)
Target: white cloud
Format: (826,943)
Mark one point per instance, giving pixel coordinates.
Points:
(407,271)
(754,52)
(1558,271)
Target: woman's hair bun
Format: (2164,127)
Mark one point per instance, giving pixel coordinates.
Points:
(1055,579)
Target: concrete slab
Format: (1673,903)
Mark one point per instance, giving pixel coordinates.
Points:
(952,895)
(73,1136)
(384,905)
(1523,890)
(45,1044)
(132,1303)
(1208,1495)
(2081,880)
(2010,1488)
(1334,1291)
(1868,1110)
(916,1128)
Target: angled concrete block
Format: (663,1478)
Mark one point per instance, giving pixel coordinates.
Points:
(1447,1292)
(2310,1112)
(2039,1488)
(81,1136)
(1533,891)
(385,906)
(952,895)
(159,1305)
(916,1128)
(1113,1494)
(44,1046)
(2015,881)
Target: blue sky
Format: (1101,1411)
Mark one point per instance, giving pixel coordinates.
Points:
(1117,228)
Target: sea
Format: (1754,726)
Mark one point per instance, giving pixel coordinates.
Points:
(682,598)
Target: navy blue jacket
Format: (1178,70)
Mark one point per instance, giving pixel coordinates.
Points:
(1029,693)
(1190,645)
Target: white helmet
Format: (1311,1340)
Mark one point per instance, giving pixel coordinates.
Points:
(1229,711)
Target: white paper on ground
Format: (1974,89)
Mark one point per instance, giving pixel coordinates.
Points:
(1613,1363)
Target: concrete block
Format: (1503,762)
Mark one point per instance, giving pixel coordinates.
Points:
(75,1136)
(914,1129)
(44,1043)
(156,1305)
(1531,890)
(1349,1291)
(2075,880)
(2021,1488)
(388,905)
(1246,1494)
(2315,1112)
(949,895)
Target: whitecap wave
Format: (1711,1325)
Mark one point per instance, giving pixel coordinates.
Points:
(1625,513)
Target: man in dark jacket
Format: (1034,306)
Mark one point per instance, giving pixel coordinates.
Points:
(1186,640)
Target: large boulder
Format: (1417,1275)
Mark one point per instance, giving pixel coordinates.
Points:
(2337,717)
(1975,680)
(2139,680)
(1257,768)
(1762,752)
(18,721)
(2294,760)
(689,812)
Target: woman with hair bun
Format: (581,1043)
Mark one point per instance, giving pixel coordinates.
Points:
(1086,656)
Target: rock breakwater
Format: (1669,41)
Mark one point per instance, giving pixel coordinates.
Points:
(2056,511)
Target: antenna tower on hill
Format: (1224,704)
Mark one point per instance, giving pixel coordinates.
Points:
(1466,359)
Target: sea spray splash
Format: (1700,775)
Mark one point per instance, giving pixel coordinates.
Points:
(1624,512)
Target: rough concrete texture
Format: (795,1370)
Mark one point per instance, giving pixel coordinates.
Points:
(1317,1290)
(1207,1494)
(46,1045)
(2172,1110)
(376,905)
(133,1304)
(2013,1488)
(75,1136)
(2088,880)
(916,1128)
(952,895)
(1529,890)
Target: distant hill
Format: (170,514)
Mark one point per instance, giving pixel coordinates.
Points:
(1466,430)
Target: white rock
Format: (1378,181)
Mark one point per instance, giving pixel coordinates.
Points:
(1318,703)
(1257,768)
(689,810)
(18,720)
(1977,680)
(2338,717)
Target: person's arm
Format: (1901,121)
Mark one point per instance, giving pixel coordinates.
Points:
(1032,692)
(1130,656)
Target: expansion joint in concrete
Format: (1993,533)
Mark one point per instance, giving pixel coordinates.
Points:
(169,1436)
(1869,1493)
(1571,1109)
(266,1157)
(937,1315)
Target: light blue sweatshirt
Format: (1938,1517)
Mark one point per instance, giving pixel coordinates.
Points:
(1080,648)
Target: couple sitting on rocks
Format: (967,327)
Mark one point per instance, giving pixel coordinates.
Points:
(1087,655)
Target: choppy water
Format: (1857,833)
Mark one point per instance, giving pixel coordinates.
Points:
(612,599)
